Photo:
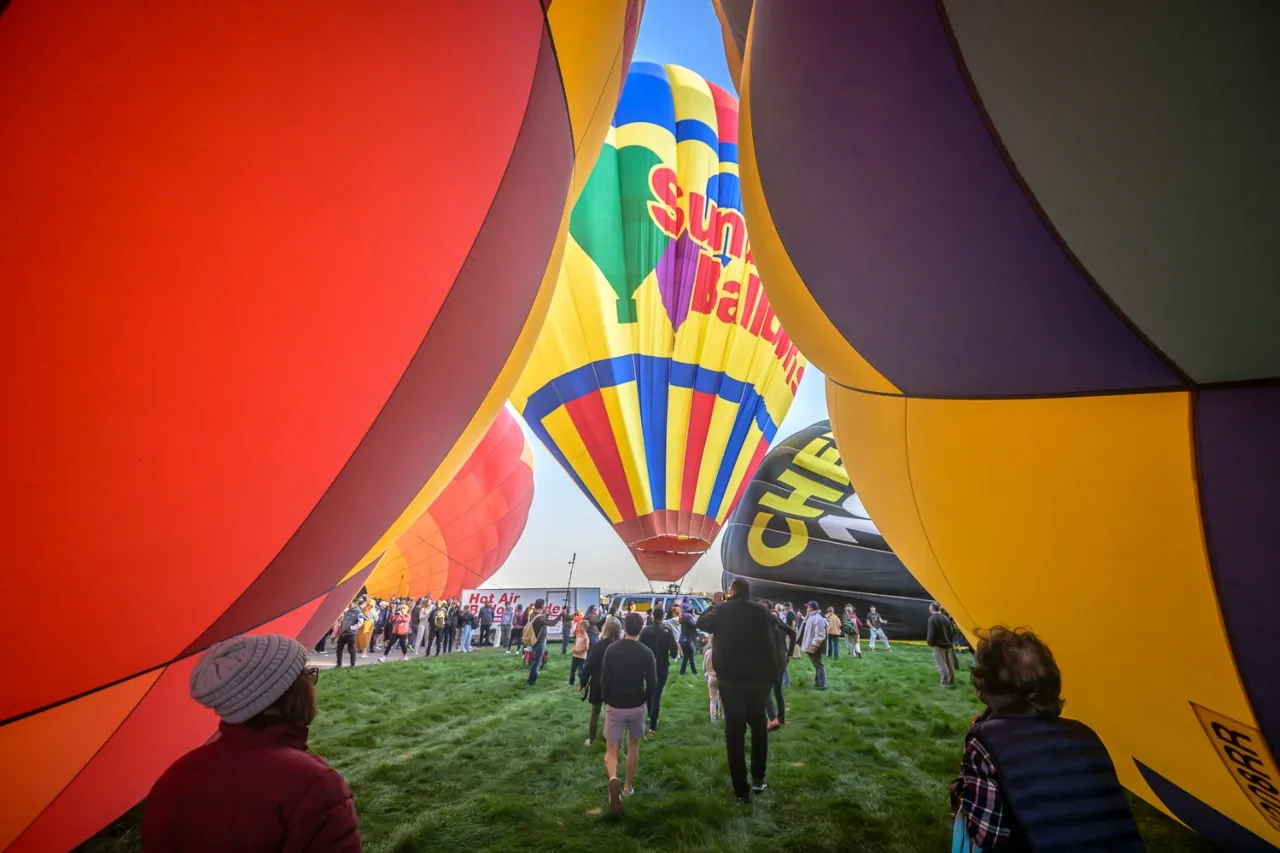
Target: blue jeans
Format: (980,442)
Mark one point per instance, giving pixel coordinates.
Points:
(539,649)
(686,656)
(833,646)
(819,671)
(466,638)
(655,701)
(786,673)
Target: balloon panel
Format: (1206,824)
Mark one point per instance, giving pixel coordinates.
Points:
(662,372)
(801,532)
(265,419)
(469,531)
(1051,237)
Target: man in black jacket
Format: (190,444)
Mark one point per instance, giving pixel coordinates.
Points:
(628,676)
(938,637)
(661,640)
(745,657)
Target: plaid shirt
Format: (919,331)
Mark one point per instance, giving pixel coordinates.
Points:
(977,794)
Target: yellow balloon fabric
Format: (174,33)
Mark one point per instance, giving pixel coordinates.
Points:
(1036,259)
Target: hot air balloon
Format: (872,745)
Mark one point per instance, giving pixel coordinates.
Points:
(470,529)
(662,373)
(801,533)
(1033,247)
(264,273)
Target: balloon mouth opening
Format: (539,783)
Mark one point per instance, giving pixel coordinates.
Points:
(673,544)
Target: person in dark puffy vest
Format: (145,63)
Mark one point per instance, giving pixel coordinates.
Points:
(1031,780)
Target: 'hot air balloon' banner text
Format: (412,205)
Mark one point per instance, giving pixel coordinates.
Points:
(662,373)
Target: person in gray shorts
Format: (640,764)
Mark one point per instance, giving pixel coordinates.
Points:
(628,677)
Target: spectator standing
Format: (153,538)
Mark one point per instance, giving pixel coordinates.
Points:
(776,704)
(813,639)
(535,636)
(1015,791)
(688,639)
(504,626)
(745,659)
(628,676)
(852,629)
(566,630)
(349,626)
(938,638)
(517,629)
(580,647)
(833,634)
(486,624)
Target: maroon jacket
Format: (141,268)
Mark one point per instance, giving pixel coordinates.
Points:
(252,792)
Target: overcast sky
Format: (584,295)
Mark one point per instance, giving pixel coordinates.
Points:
(562,520)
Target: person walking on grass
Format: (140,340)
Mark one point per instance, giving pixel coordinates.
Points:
(467,626)
(398,626)
(255,788)
(581,645)
(504,628)
(776,704)
(628,677)
(813,639)
(422,617)
(833,634)
(1015,791)
(875,628)
(349,625)
(517,629)
(589,683)
(439,619)
(938,638)
(535,636)
(852,628)
(745,659)
(713,684)
(660,640)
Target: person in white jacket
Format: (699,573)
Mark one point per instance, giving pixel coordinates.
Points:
(713,686)
(813,639)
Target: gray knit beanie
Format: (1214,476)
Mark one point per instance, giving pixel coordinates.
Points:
(241,677)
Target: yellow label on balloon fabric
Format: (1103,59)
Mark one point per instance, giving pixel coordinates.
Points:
(1244,753)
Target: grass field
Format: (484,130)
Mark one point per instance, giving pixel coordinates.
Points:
(458,754)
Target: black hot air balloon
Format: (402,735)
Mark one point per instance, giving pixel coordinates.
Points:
(801,533)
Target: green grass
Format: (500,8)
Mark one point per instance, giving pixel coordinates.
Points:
(458,754)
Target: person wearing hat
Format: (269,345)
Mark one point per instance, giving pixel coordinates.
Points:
(254,788)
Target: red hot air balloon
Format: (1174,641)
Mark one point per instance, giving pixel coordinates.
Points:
(249,250)
(469,531)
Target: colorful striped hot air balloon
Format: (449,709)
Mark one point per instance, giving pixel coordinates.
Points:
(266,271)
(470,529)
(662,373)
(1034,247)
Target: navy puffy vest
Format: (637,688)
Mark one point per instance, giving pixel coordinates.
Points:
(1057,779)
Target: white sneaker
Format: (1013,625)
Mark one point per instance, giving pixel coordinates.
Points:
(588,742)
(382,660)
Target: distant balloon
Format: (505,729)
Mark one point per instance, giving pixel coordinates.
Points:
(267,270)
(469,531)
(1033,247)
(801,532)
(662,373)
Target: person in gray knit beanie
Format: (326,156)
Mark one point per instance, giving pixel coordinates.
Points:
(241,677)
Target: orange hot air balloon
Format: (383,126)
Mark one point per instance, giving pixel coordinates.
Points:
(469,531)
(248,252)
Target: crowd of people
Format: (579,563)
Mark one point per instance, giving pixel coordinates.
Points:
(255,788)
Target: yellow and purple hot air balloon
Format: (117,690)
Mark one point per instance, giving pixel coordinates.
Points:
(662,372)
(1034,248)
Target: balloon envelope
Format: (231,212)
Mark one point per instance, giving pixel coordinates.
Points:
(1042,286)
(470,529)
(247,256)
(662,373)
(801,533)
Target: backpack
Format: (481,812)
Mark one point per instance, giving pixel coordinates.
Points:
(851,625)
(530,635)
(439,619)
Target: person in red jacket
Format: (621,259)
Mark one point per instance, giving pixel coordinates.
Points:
(255,788)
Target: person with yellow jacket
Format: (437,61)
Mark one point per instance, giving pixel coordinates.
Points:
(833,634)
